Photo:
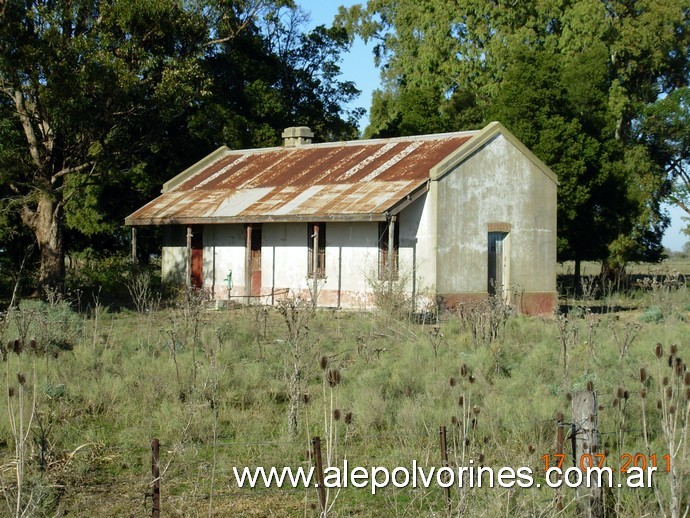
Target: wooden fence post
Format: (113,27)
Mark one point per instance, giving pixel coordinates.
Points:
(586,444)
(316,449)
(444,459)
(559,451)
(155,471)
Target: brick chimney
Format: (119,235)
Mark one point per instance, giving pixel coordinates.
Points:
(297,136)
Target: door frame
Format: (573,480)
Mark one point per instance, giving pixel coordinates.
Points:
(497,263)
(253,279)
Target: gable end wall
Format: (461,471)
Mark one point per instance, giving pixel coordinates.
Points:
(497,187)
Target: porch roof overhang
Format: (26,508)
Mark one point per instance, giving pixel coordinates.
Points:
(383,212)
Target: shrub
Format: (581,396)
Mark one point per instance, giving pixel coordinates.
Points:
(46,328)
(652,314)
(112,277)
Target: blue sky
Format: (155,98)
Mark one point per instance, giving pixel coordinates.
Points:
(358,66)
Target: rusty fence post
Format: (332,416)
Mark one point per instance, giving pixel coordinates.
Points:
(155,471)
(444,459)
(316,454)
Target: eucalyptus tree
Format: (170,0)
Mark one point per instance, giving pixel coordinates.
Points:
(574,79)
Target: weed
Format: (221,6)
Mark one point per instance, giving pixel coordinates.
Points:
(393,297)
(21,410)
(140,286)
(485,319)
(662,289)
(53,327)
(568,334)
(623,337)
(296,313)
(653,314)
(673,406)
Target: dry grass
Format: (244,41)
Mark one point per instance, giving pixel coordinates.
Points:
(213,386)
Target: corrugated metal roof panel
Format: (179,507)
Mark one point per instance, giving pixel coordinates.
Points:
(320,181)
(236,202)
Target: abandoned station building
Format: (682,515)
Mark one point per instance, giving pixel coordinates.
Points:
(453,216)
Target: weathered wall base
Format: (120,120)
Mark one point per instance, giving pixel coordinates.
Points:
(528,303)
(534,303)
(327,297)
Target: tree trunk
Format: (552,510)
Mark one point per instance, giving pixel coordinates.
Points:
(47,222)
(577,280)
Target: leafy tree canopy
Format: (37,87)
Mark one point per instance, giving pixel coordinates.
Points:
(103,100)
(594,88)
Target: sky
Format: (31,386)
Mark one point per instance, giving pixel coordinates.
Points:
(358,66)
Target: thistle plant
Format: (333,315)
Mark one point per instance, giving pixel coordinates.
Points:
(296,314)
(619,404)
(332,415)
(673,407)
(465,441)
(21,410)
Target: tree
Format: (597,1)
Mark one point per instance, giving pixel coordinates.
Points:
(572,79)
(273,76)
(102,101)
(82,78)
(665,127)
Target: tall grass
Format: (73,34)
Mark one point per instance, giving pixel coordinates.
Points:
(216,386)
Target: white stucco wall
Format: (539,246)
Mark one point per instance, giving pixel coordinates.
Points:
(174,254)
(498,183)
(417,243)
(224,253)
(352,256)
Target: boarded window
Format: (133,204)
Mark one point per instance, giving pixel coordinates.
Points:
(388,259)
(316,233)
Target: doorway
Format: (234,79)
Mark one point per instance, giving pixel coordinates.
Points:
(497,268)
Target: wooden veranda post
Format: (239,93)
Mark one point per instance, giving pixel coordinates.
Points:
(391,253)
(248,264)
(188,280)
(315,262)
(134,245)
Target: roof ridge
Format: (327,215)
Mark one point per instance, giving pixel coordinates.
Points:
(358,142)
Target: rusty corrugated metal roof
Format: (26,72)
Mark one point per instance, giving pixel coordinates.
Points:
(355,180)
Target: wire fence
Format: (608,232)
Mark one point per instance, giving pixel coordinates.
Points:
(192,475)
